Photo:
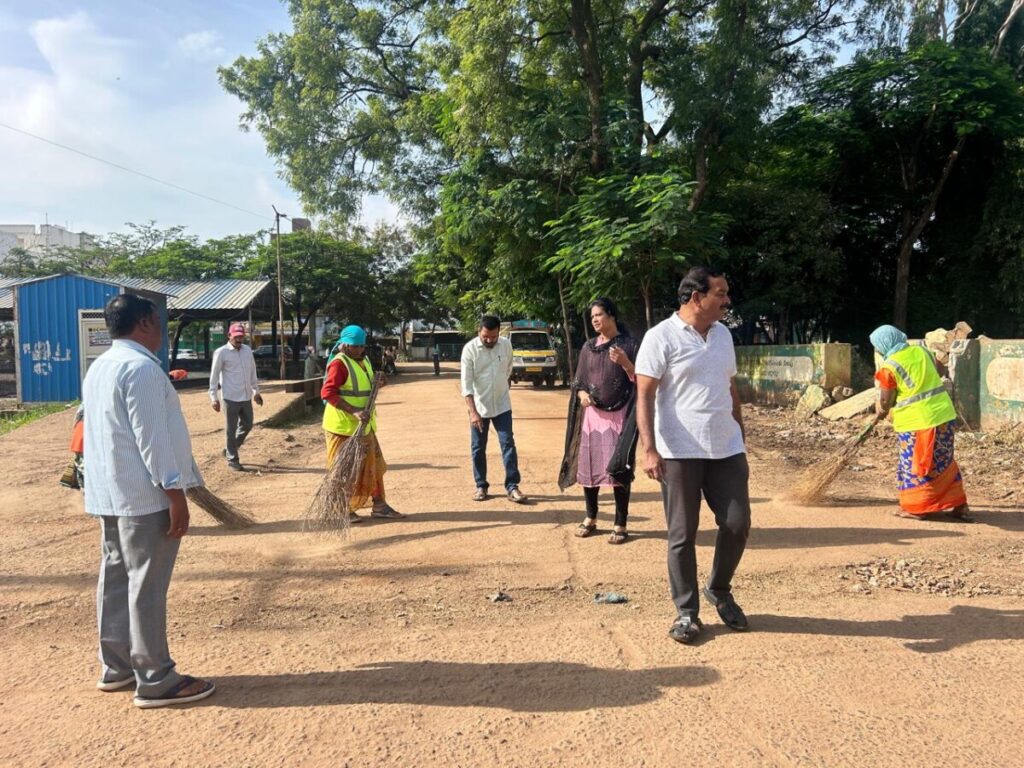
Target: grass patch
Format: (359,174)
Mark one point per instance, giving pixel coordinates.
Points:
(11,420)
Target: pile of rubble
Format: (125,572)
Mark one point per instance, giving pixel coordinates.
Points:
(936,577)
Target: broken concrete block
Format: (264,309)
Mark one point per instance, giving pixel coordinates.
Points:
(853,406)
(961,331)
(841,393)
(813,400)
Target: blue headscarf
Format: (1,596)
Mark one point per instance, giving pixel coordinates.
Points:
(888,339)
(353,335)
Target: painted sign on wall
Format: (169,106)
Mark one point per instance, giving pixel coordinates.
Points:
(779,374)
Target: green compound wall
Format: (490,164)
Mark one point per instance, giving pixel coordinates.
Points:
(778,375)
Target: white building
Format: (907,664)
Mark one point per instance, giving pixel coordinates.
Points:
(38,242)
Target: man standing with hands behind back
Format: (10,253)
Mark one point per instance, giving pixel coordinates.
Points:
(486,370)
(691,426)
(234,370)
(139,464)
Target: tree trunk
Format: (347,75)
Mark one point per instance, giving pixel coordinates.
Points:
(583,27)
(645,291)
(911,232)
(569,352)
(177,340)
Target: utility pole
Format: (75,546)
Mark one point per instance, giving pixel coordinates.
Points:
(280,287)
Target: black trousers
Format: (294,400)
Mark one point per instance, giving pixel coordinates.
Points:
(621,493)
(724,484)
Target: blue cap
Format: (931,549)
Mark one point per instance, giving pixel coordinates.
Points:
(353,335)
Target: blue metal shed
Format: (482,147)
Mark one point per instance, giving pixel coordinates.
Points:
(59,330)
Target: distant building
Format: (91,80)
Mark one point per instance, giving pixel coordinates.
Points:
(39,241)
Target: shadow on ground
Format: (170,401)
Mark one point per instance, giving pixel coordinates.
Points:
(935,633)
(552,686)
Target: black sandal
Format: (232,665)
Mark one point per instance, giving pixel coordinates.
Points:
(583,530)
(618,537)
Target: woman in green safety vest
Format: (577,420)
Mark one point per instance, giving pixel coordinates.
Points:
(923,417)
(348,383)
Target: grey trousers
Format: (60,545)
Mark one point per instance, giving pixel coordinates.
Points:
(238,416)
(724,484)
(131,601)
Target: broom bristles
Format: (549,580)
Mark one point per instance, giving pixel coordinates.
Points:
(817,478)
(330,508)
(223,512)
(815,481)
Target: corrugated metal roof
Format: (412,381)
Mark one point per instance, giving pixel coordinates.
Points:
(6,294)
(184,296)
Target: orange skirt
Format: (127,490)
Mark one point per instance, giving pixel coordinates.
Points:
(370,485)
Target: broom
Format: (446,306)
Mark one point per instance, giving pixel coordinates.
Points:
(811,486)
(329,509)
(224,513)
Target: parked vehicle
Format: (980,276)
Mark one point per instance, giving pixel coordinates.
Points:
(533,354)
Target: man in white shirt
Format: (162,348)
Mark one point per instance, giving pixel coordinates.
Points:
(486,370)
(691,427)
(138,459)
(234,371)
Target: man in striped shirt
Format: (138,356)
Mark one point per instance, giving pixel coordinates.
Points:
(139,462)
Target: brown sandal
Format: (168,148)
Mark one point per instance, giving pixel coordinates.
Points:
(386,511)
(618,537)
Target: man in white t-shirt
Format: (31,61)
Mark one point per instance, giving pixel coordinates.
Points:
(691,428)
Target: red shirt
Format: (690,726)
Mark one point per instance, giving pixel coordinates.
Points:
(334,379)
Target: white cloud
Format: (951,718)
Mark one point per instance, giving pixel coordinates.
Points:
(201,46)
(121,99)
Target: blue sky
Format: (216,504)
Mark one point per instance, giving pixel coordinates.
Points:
(136,84)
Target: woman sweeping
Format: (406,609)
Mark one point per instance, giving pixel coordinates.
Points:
(600,427)
(923,416)
(346,390)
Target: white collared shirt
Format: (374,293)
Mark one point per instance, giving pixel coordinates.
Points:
(235,371)
(136,439)
(485,375)
(693,405)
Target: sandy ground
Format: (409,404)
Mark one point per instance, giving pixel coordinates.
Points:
(875,640)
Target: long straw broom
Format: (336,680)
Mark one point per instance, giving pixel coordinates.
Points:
(330,508)
(816,479)
(223,512)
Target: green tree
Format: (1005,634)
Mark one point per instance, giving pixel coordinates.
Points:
(627,235)
(320,272)
(900,124)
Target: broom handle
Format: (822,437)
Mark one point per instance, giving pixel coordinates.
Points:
(868,427)
(369,405)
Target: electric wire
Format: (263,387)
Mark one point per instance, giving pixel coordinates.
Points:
(131,170)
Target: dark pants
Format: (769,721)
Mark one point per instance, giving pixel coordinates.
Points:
(621,493)
(238,416)
(478,448)
(724,484)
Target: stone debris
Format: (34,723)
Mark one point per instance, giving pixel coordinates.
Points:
(610,597)
(500,597)
(940,341)
(949,578)
(841,393)
(852,406)
(813,400)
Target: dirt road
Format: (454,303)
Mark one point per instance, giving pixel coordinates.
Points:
(875,640)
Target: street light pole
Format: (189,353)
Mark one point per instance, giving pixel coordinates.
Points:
(280,287)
